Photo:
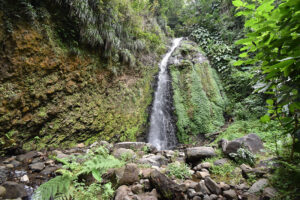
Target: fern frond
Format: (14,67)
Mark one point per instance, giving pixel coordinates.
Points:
(58,187)
(100,164)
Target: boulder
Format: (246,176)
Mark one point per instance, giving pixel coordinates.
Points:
(201,187)
(145,173)
(242,186)
(149,195)
(190,184)
(37,167)
(60,155)
(121,152)
(153,160)
(166,187)
(2,191)
(247,171)
(251,141)
(269,193)
(191,193)
(128,175)
(202,174)
(8,160)
(199,153)
(206,165)
(212,186)
(122,193)
(221,162)
(213,197)
(135,146)
(49,170)
(230,194)
(28,156)
(224,186)
(258,186)
(197,198)
(137,188)
(14,190)
(102,143)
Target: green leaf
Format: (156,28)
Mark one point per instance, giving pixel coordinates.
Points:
(265,118)
(270,102)
(97,175)
(238,63)
(238,3)
(243,55)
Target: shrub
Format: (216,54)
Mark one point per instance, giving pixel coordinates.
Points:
(179,170)
(243,156)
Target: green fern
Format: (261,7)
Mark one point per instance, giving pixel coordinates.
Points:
(57,188)
(97,162)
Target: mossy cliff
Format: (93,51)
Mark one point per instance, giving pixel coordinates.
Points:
(199,98)
(55,89)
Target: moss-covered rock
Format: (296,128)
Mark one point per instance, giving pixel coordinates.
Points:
(199,98)
(51,95)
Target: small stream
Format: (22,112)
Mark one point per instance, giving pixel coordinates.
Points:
(162,132)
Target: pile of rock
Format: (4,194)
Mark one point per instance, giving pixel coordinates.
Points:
(144,177)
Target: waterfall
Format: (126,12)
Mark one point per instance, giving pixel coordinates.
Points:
(162,133)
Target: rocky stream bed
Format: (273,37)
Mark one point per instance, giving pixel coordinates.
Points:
(146,176)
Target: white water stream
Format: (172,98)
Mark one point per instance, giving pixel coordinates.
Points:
(162,133)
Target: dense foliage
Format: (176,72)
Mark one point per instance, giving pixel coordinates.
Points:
(271,42)
(199,97)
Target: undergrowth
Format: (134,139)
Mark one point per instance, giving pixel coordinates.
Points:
(179,170)
(70,185)
(266,132)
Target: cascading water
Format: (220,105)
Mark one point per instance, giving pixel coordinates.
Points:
(162,130)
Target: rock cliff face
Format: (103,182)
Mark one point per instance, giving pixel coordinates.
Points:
(51,94)
(199,97)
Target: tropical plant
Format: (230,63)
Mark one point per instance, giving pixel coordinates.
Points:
(67,185)
(271,42)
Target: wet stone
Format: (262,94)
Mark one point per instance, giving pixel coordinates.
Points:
(221,162)
(24,179)
(191,193)
(258,186)
(36,160)
(230,194)
(49,170)
(37,167)
(8,160)
(18,173)
(212,186)
(2,191)
(27,157)
(14,190)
